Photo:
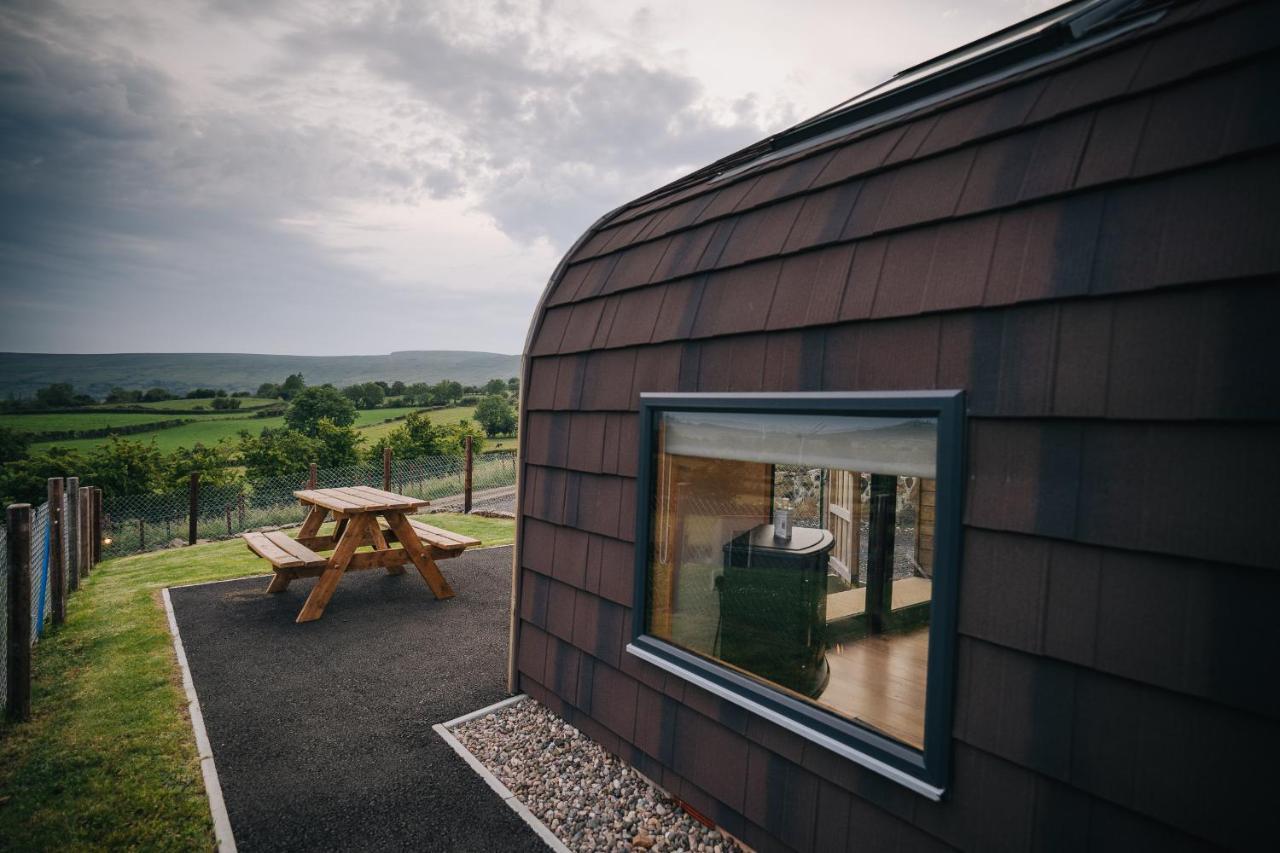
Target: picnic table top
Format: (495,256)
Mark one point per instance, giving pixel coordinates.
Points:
(356,499)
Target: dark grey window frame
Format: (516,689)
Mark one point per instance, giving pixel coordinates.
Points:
(924,771)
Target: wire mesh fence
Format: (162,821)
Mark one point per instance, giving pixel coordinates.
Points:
(136,523)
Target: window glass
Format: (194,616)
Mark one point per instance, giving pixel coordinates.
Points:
(797,549)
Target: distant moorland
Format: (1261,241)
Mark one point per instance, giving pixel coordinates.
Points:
(22,373)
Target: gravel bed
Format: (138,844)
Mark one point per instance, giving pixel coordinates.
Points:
(587,797)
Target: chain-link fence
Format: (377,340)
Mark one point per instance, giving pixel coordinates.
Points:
(41,594)
(135,523)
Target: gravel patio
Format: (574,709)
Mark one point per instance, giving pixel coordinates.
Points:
(321,732)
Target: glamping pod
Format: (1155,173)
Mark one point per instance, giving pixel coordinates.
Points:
(907,480)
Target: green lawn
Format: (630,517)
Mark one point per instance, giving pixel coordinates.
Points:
(440,417)
(210,429)
(89,419)
(109,760)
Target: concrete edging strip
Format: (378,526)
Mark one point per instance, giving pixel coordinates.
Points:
(443,729)
(217,806)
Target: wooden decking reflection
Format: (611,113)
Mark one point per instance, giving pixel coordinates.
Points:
(880,681)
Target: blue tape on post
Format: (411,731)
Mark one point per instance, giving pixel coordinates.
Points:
(44,583)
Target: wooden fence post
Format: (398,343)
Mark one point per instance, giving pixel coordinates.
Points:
(386,469)
(72,524)
(18,646)
(86,531)
(97,526)
(57,560)
(466,479)
(193,507)
(312,475)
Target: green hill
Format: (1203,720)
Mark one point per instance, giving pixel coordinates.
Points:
(22,373)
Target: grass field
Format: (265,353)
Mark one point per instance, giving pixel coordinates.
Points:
(453,415)
(108,761)
(210,429)
(52,421)
(246,404)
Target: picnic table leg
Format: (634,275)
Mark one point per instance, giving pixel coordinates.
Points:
(280,582)
(419,555)
(311,526)
(352,538)
(380,544)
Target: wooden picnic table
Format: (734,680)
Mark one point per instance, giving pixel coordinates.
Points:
(359,514)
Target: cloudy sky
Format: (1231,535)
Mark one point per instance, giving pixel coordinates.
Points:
(362,177)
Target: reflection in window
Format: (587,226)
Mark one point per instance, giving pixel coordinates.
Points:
(836,613)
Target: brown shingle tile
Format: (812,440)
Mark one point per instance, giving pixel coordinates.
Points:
(793,361)
(551,331)
(613,700)
(1220,223)
(720,235)
(541,390)
(680,300)
(684,252)
(800,275)
(585,446)
(599,501)
(1061,242)
(636,265)
(761,233)
(657,369)
(535,591)
(871,200)
(1113,142)
(605,327)
(570,557)
(995,113)
(969,357)
(1087,83)
(961,264)
(532,656)
(1006,577)
(727,198)
(999,169)
(537,550)
(901,355)
(1153,351)
(580,331)
(926,190)
(1235,337)
(637,316)
(1170,139)
(904,273)
(859,156)
(1059,146)
(786,180)
(731,364)
(562,663)
(569,381)
(617,568)
(1028,348)
(916,133)
(560,610)
(864,279)
(606,380)
(737,300)
(1081,372)
(822,216)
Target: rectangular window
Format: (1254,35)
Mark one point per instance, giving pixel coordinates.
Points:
(800,561)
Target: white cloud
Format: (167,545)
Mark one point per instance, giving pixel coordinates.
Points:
(265,165)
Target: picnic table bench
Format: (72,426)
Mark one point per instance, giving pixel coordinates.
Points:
(363,516)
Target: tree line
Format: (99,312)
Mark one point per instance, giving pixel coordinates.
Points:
(364,395)
(318,427)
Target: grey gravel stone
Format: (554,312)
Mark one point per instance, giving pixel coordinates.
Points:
(587,797)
